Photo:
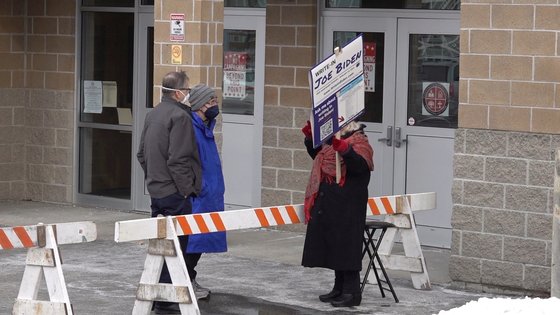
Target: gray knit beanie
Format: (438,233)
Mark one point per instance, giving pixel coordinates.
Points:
(200,94)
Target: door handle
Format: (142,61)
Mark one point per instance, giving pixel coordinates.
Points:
(398,139)
(389,138)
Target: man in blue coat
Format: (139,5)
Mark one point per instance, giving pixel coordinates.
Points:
(204,105)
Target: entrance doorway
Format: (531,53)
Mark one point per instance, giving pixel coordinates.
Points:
(411,63)
(115,93)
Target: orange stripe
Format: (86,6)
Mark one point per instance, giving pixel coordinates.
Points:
(217,219)
(293,215)
(23,236)
(277,216)
(5,241)
(387,205)
(201,224)
(373,206)
(184,225)
(262,217)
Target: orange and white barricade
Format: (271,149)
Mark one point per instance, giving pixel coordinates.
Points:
(399,211)
(43,257)
(163,232)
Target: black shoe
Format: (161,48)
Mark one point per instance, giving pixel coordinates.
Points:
(166,308)
(347,300)
(329,297)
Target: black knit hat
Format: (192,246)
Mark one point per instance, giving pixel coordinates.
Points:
(200,94)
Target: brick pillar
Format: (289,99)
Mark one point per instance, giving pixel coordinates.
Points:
(202,47)
(290,53)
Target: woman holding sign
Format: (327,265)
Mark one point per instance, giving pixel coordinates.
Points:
(335,213)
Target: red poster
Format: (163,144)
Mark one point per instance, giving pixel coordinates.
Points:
(235,81)
(369,66)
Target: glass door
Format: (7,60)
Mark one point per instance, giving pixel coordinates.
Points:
(242,105)
(105,112)
(115,92)
(411,72)
(426,119)
(380,42)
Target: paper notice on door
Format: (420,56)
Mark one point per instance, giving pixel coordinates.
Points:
(109,94)
(93,94)
(125,116)
(369,65)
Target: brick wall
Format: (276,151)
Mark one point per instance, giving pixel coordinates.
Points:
(37,97)
(504,153)
(13,98)
(290,52)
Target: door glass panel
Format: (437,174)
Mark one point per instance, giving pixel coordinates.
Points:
(374,55)
(392,4)
(107,67)
(433,80)
(150,68)
(105,168)
(147,2)
(109,3)
(239,72)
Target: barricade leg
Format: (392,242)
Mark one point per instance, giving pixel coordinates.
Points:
(180,291)
(413,259)
(43,260)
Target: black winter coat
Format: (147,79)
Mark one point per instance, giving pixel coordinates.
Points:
(335,231)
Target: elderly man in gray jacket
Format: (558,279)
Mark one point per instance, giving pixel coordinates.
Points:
(169,156)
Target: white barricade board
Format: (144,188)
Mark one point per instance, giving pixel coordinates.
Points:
(396,209)
(43,258)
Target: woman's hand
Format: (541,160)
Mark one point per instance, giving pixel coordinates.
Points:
(307,130)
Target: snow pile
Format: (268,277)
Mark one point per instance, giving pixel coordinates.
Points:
(498,306)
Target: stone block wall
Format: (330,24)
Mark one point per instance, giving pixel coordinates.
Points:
(290,52)
(504,152)
(37,95)
(13,98)
(502,214)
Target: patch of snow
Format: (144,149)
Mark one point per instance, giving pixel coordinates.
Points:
(509,306)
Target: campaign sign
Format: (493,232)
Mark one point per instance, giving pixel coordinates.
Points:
(337,88)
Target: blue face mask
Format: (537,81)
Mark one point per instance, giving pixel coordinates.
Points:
(212,112)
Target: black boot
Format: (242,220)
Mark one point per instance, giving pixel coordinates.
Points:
(347,300)
(329,297)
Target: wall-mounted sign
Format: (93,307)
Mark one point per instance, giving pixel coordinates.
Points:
(435,98)
(235,80)
(337,89)
(176,54)
(177,27)
(369,65)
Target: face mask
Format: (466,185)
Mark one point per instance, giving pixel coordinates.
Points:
(185,100)
(212,112)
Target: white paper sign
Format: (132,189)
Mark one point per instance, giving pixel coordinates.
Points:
(93,97)
(109,94)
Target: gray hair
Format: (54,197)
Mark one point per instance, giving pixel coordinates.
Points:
(174,80)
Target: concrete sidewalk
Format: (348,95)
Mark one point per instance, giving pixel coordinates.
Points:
(261,271)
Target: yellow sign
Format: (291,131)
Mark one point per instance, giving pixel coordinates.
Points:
(176,54)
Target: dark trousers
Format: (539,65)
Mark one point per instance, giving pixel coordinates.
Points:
(191,260)
(347,281)
(172,205)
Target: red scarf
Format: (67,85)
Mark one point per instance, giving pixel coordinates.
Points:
(324,167)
